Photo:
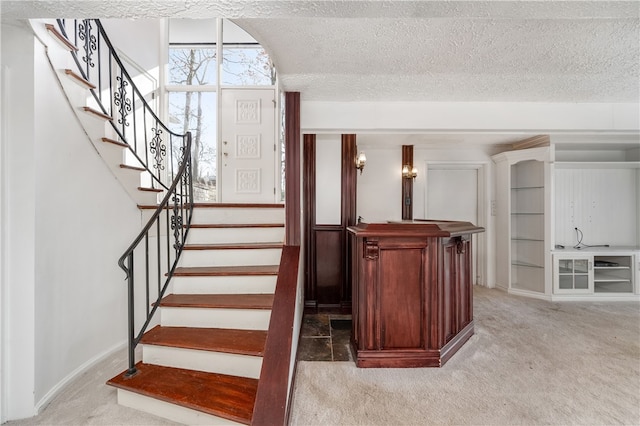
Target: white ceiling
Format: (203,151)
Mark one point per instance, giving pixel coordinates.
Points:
(514,51)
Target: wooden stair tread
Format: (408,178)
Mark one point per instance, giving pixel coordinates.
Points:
(97,113)
(232,246)
(229,397)
(79,79)
(223,206)
(237,225)
(211,271)
(62,39)
(224,301)
(238,205)
(115,142)
(142,188)
(243,342)
(130,167)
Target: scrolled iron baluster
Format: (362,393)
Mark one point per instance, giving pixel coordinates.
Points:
(121,100)
(176,223)
(89,42)
(158,149)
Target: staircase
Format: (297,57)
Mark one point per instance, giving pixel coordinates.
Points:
(200,360)
(104,130)
(202,363)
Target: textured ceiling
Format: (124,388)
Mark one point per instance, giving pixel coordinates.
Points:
(541,51)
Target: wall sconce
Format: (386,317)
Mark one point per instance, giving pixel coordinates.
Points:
(409,172)
(361,159)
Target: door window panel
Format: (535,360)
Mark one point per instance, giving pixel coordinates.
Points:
(247,66)
(195,112)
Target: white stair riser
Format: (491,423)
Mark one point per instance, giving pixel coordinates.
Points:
(235,235)
(129,178)
(211,362)
(225,285)
(111,153)
(243,319)
(169,411)
(239,257)
(238,215)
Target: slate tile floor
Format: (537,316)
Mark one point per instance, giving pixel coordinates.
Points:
(325,337)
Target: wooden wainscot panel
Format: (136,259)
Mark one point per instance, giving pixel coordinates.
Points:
(329,263)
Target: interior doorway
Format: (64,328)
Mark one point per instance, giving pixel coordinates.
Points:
(456,192)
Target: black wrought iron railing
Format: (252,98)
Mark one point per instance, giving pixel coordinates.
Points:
(150,261)
(151,144)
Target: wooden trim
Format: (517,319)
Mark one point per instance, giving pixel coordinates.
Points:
(309,178)
(532,142)
(273,396)
(292,168)
(407,184)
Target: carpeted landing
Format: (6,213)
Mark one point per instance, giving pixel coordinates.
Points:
(529,362)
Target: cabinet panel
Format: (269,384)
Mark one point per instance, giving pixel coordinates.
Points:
(401,315)
(457,309)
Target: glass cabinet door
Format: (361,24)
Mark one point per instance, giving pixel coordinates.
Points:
(573,275)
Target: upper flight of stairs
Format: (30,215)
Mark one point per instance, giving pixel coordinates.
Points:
(115,152)
(202,363)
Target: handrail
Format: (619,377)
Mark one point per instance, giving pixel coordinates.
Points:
(117,95)
(273,395)
(160,242)
(180,205)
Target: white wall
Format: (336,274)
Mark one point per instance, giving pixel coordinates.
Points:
(380,184)
(129,35)
(18,280)
(69,220)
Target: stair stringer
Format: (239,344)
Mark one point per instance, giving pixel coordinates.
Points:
(96,128)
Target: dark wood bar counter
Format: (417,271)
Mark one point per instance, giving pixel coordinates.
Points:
(412,292)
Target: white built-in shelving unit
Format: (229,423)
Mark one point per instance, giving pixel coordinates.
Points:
(568,220)
(522,214)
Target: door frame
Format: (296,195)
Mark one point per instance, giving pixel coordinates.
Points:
(484,268)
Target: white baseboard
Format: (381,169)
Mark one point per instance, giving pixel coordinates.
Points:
(76,373)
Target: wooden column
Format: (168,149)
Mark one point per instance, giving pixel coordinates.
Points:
(309,200)
(292,168)
(407,184)
(348,214)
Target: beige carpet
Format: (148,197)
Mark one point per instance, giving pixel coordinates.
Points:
(530,362)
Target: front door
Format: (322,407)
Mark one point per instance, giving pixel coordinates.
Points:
(248,172)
